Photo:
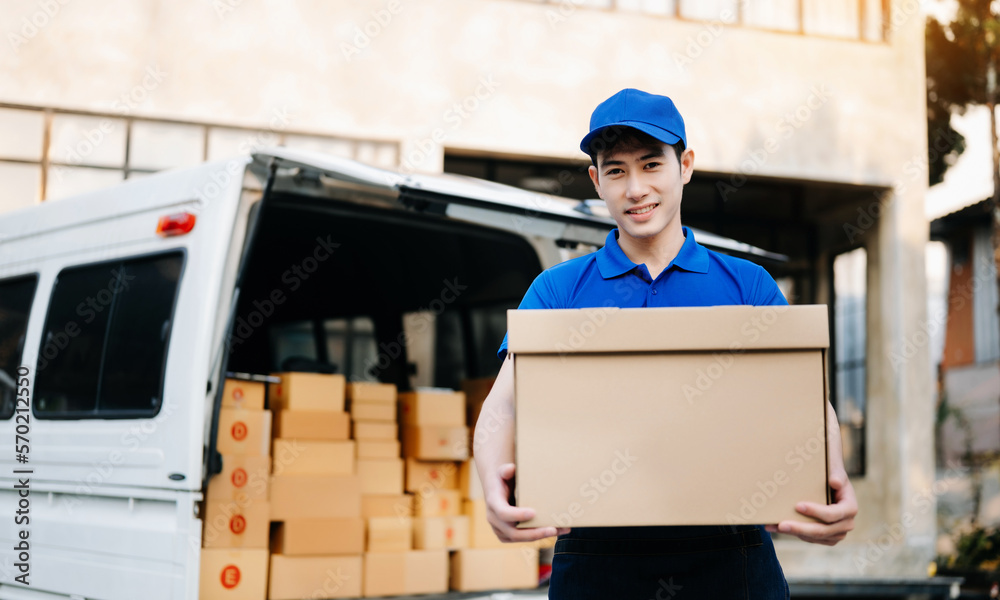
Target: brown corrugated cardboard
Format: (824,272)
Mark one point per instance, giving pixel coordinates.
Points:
(373,411)
(312,425)
(244,432)
(378,448)
(233,574)
(236,525)
(430,475)
(413,572)
(437,503)
(441,533)
(375,430)
(381,476)
(298,577)
(478,569)
(718,413)
(300,537)
(315,496)
(362,391)
(444,408)
(237,393)
(308,391)
(389,534)
(468,481)
(313,457)
(397,505)
(432,442)
(243,478)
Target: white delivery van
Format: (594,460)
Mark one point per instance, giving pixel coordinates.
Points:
(121,310)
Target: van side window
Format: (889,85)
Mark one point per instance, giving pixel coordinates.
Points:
(16,296)
(104,346)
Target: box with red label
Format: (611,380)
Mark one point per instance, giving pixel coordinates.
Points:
(228,574)
(437,503)
(441,533)
(233,524)
(436,443)
(243,478)
(308,391)
(423,475)
(237,393)
(244,432)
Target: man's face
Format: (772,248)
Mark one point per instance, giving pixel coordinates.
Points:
(642,187)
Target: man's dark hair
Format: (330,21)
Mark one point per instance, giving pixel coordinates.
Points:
(627,139)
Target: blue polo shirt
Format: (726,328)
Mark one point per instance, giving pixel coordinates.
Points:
(696,277)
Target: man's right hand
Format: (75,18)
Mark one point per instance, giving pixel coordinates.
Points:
(504,518)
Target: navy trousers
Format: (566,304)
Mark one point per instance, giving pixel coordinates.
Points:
(660,563)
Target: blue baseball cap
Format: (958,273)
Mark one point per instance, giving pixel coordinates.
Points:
(649,113)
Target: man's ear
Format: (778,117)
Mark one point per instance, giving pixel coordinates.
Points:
(592,171)
(687,164)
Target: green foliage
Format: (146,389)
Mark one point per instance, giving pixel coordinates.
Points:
(959,55)
(978,548)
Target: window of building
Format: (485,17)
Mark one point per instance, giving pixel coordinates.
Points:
(837,19)
(726,11)
(16,296)
(104,347)
(849,380)
(986,325)
(782,15)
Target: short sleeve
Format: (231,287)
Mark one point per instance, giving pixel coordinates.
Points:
(765,290)
(540,294)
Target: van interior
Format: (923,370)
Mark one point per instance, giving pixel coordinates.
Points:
(376,294)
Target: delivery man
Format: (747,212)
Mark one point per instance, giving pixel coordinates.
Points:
(641,162)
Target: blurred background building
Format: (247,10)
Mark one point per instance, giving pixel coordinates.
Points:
(807,118)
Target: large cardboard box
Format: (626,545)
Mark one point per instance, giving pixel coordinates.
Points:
(433,442)
(243,478)
(395,505)
(363,391)
(437,533)
(308,391)
(313,457)
(381,476)
(437,503)
(233,574)
(482,569)
(375,430)
(412,572)
(445,408)
(315,497)
(430,475)
(238,393)
(304,537)
(378,448)
(312,425)
(235,525)
(244,431)
(299,577)
(389,534)
(718,414)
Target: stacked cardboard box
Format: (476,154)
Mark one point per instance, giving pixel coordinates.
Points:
(487,563)
(318,533)
(236,510)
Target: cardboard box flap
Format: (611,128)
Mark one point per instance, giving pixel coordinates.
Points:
(585,330)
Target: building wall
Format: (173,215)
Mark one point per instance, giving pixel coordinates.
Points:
(510,77)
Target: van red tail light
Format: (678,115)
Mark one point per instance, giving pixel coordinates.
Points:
(175,224)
